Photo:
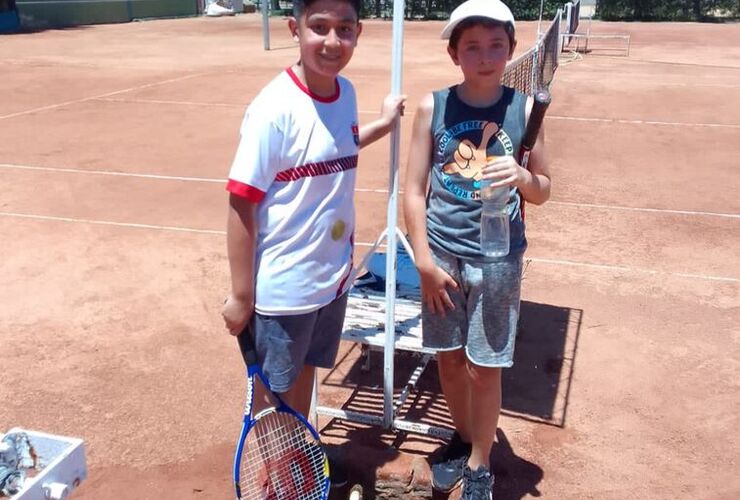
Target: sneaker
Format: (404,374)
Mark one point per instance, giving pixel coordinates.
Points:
(337,474)
(216,9)
(447,472)
(477,484)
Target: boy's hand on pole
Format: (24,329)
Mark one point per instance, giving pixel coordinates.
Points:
(392,109)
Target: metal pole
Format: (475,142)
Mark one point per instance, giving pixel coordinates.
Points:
(392,220)
(266,24)
(539,23)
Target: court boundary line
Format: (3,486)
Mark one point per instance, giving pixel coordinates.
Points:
(180,229)
(175,103)
(645,209)
(642,270)
(98,222)
(215,180)
(106,98)
(113,173)
(642,122)
(575,81)
(92,98)
(678,63)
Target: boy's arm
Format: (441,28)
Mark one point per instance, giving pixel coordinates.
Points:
(389,113)
(434,280)
(532,182)
(417,179)
(536,188)
(241,238)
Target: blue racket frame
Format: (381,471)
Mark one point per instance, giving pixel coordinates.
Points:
(246,346)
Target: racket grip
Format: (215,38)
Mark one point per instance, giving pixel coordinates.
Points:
(246,346)
(542,100)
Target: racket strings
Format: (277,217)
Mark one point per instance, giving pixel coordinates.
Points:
(282,461)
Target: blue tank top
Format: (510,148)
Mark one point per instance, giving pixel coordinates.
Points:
(463,138)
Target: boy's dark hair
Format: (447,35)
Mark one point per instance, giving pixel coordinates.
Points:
(300,5)
(481,21)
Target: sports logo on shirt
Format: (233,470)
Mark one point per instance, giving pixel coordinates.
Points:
(468,147)
(356,134)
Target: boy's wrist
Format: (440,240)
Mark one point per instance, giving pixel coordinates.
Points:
(244,297)
(525,178)
(384,124)
(424,262)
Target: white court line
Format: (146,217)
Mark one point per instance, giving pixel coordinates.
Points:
(576,81)
(641,122)
(640,209)
(616,120)
(379,191)
(607,267)
(610,267)
(177,103)
(111,173)
(85,99)
(411,113)
(143,176)
(359,190)
(194,103)
(679,63)
(111,223)
(106,97)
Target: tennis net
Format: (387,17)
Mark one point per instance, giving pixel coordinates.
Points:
(535,69)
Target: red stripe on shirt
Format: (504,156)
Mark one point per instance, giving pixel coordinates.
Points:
(245,191)
(317,169)
(307,91)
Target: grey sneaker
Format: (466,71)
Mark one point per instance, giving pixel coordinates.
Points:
(477,484)
(447,472)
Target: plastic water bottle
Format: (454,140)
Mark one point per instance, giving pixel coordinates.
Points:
(494,220)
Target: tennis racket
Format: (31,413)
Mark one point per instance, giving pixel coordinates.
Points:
(542,100)
(278,456)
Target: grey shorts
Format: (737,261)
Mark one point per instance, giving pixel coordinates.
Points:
(286,343)
(486,312)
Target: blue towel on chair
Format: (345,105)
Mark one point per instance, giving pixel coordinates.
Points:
(406,273)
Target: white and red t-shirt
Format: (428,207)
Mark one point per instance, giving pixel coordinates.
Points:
(297,158)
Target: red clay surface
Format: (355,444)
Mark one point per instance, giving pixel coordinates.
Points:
(114,143)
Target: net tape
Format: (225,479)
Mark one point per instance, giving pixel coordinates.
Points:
(535,69)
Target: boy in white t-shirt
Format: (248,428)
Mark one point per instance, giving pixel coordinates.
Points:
(291,212)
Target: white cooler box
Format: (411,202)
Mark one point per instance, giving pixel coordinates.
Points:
(60,465)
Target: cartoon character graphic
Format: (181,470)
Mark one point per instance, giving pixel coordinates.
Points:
(470,159)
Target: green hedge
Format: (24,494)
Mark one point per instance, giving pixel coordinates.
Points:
(611,10)
(60,13)
(440,9)
(667,10)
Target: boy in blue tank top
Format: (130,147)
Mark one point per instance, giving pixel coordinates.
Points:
(470,303)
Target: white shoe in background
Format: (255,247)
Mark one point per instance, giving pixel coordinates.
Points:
(215,9)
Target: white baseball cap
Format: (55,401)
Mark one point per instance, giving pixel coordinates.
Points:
(492,9)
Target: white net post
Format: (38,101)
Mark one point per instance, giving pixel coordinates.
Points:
(266,24)
(392,222)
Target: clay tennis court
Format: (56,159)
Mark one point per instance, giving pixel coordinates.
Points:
(114,144)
